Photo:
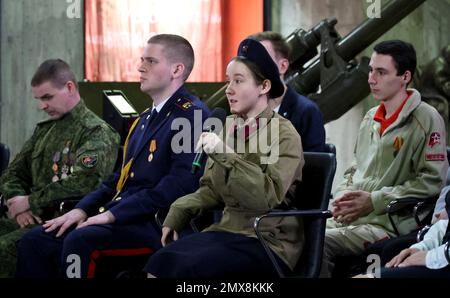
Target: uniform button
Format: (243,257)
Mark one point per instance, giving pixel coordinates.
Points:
(132,175)
(142,127)
(101,209)
(118,199)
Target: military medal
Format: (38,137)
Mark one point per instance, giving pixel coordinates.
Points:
(152,149)
(67,148)
(71,162)
(64,171)
(66,160)
(56,158)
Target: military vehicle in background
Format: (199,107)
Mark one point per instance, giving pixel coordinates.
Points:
(334,78)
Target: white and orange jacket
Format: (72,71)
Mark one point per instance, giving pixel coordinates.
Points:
(408,160)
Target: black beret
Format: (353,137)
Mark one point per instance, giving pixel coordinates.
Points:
(254,51)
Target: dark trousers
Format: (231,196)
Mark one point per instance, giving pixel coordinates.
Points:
(387,249)
(41,254)
(213,255)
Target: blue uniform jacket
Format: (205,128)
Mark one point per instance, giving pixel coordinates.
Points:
(306,118)
(156,184)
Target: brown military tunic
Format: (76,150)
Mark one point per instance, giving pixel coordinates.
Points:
(249,183)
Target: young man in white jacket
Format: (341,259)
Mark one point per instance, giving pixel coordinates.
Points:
(426,258)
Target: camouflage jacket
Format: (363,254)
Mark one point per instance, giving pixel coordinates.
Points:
(64,158)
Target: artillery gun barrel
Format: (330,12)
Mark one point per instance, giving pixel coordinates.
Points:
(356,41)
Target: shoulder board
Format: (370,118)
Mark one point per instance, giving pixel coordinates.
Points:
(184,103)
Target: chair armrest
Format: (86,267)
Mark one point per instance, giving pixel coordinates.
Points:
(447,251)
(206,219)
(67,205)
(422,233)
(160,216)
(64,205)
(196,223)
(401,205)
(311,212)
(3,208)
(298,213)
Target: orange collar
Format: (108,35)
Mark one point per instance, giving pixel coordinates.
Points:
(380,114)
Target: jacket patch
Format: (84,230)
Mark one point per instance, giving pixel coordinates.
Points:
(435,138)
(435,157)
(89,160)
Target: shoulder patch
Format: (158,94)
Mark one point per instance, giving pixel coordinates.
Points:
(435,139)
(89,160)
(184,103)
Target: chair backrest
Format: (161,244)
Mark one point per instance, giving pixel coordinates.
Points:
(118,164)
(330,148)
(447,182)
(314,192)
(4,157)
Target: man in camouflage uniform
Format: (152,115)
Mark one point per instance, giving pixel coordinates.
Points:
(67,156)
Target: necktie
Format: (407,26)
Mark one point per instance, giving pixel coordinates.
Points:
(152,117)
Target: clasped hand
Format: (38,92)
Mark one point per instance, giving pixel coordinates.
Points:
(351,206)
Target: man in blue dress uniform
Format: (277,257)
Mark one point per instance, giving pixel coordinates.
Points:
(119,215)
(303,113)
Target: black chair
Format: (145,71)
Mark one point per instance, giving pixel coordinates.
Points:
(206,219)
(4,157)
(311,203)
(447,252)
(4,161)
(330,148)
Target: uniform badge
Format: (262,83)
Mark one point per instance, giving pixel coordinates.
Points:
(152,149)
(435,138)
(398,143)
(183,103)
(187,105)
(89,160)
